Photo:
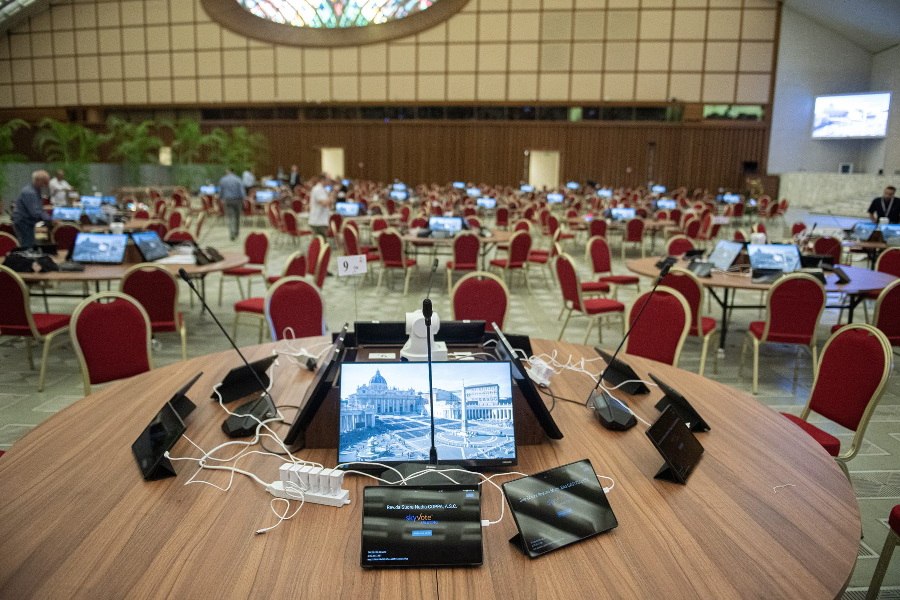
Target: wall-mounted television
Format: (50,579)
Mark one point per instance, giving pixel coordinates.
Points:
(849,116)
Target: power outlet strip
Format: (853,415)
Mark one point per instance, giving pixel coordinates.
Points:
(276,488)
(318,485)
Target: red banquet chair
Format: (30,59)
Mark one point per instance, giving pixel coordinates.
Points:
(393,256)
(888,262)
(480,296)
(352,247)
(866,353)
(466,247)
(597,227)
(17,320)
(660,333)
(256,247)
(517,259)
(179,235)
(830,246)
(633,234)
(7,243)
(887,307)
(884,561)
(159,227)
(677,245)
(686,283)
(111,339)
(601,264)
(294,264)
(156,289)
(573,300)
(798,228)
(294,309)
(63,235)
(794,305)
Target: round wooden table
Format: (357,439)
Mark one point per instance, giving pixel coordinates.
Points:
(78,521)
(862,281)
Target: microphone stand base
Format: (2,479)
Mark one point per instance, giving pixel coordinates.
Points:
(433,475)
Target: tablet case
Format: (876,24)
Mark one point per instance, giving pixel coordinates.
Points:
(679,447)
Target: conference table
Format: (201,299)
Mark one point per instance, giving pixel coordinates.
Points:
(766,513)
(486,242)
(862,281)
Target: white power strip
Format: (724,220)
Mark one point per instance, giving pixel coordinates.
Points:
(318,485)
(276,488)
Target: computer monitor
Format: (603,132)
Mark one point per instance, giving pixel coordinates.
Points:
(554,198)
(473,192)
(209,189)
(385,413)
(731,198)
(399,187)
(66,213)
(109,200)
(316,391)
(622,214)
(658,189)
(449,224)
(272,183)
(99,248)
(345,181)
(347,209)
(784,257)
(666,203)
(487,203)
(526,189)
(603,193)
(573,185)
(399,195)
(263,196)
(724,254)
(459,185)
(891,234)
(149,245)
(91,202)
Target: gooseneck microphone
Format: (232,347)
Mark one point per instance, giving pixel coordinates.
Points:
(595,399)
(427,312)
(187,278)
(434,267)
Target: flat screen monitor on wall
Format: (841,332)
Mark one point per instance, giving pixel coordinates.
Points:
(847,116)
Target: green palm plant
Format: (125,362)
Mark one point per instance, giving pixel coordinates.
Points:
(188,145)
(134,144)
(69,146)
(7,147)
(238,149)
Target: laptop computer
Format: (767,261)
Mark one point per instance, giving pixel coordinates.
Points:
(421,526)
(99,248)
(622,214)
(721,258)
(558,507)
(768,262)
(445,226)
(66,213)
(347,209)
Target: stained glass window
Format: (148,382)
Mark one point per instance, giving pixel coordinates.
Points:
(334,14)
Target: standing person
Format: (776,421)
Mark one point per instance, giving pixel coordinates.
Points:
(294,179)
(59,189)
(886,206)
(248,179)
(319,206)
(29,210)
(232,193)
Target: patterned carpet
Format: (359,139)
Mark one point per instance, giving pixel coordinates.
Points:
(875,472)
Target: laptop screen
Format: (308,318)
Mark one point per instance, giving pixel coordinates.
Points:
(90,202)
(417,526)
(272,183)
(265,195)
(103,248)
(554,198)
(665,203)
(891,234)
(785,257)
(459,185)
(399,187)
(604,193)
(150,246)
(573,185)
(399,195)
(65,213)
(723,255)
(384,413)
(208,189)
(347,209)
(526,189)
(658,189)
(487,203)
(731,198)
(451,224)
(623,214)
(109,200)
(473,192)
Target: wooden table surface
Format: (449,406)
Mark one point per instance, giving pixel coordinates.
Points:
(497,237)
(115,272)
(78,521)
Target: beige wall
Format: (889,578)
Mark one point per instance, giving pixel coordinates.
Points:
(160,52)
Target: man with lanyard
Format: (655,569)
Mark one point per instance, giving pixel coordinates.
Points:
(886,206)
(232,192)
(29,209)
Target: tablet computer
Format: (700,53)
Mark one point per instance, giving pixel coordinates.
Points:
(150,245)
(679,448)
(421,526)
(99,248)
(158,437)
(684,409)
(620,372)
(558,507)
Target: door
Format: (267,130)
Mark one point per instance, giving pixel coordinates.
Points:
(543,168)
(333,162)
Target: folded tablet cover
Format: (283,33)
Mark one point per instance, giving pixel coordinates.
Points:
(676,444)
(558,507)
(412,526)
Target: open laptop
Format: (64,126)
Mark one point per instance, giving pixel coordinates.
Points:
(622,214)
(66,213)
(891,234)
(263,196)
(209,189)
(445,227)
(666,203)
(487,203)
(99,248)
(721,258)
(150,245)
(770,261)
(555,198)
(347,209)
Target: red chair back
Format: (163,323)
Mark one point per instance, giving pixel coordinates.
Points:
(675,215)
(568,281)
(465,252)
(256,247)
(390,246)
(480,296)
(887,307)
(853,349)
(334,223)
(634,230)
(678,245)
(159,227)
(281,309)
(156,289)
(111,338)
(7,243)
(519,248)
(829,245)
(159,208)
(474,223)
(405,212)
(692,230)
(797,228)
(296,265)
(793,309)
(662,327)
(141,214)
(687,285)
(379,224)
(15,310)
(322,267)
(312,254)
(179,235)
(175,219)
(502,217)
(889,262)
(64,236)
(351,242)
(598,250)
(418,223)
(597,227)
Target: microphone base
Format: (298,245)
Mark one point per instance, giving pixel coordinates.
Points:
(432,477)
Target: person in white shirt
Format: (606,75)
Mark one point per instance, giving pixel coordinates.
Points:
(319,206)
(248,179)
(59,189)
